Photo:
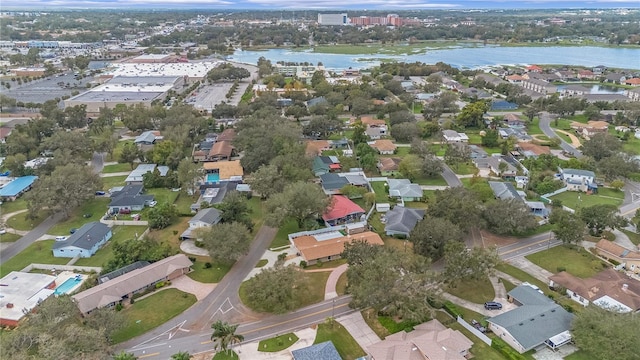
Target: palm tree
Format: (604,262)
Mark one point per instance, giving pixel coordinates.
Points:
(224,334)
(182,355)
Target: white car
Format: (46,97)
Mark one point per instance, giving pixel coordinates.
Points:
(61,238)
(153,203)
(3,231)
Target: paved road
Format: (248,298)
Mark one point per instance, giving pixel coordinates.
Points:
(545,126)
(29,238)
(631,199)
(528,246)
(450,177)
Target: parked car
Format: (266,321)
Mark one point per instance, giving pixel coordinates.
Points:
(136,217)
(3,231)
(492,305)
(87,215)
(125,211)
(61,238)
(153,203)
(100,193)
(73,230)
(478,326)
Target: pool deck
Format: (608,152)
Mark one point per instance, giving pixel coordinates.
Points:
(66,275)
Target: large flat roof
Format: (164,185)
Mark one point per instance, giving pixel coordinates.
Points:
(191,69)
(121,96)
(143,80)
(23,291)
(17,186)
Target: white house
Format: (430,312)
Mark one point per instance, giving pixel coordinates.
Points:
(451,136)
(84,242)
(404,189)
(204,218)
(579,180)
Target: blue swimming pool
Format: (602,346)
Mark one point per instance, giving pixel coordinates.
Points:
(66,286)
(213,178)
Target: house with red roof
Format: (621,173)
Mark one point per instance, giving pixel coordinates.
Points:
(633,81)
(4,133)
(342,211)
(534,68)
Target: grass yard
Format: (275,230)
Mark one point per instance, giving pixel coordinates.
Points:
(480,350)
(534,127)
(438,149)
(21,222)
(374,221)
(632,145)
(575,200)
(118,149)
(436,181)
(262,263)
(282,239)
(225,355)
(208,275)
(347,347)
(394,326)
(523,276)
(508,285)
(477,291)
(170,234)
(257,212)
(163,195)
(97,207)
(112,181)
(152,311)
(465,169)
(379,189)
(635,238)
(341,285)
(115,168)
(580,263)
(184,201)
(12,206)
(277,343)
(120,233)
(9,237)
(371,318)
(39,252)
(579,355)
(327,264)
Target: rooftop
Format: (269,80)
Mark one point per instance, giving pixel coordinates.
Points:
(191,69)
(86,237)
(17,186)
(341,207)
(23,291)
(313,247)
(227,169)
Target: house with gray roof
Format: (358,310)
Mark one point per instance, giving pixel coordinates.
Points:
(84,242)
(579,180)
(332,183)
(401,220)
(537,321)
(404,189)
(324,351)
(494,163)
(129,198)
(204,218)
(325,164)
(148,138)
(135,177)
(504,190)
(213,193)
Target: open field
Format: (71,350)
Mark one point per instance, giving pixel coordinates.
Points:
(575,200)
(579,263)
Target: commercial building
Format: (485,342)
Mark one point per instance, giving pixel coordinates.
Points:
(153,59)
(192,71)
(17,187)
(20,293)
(333,19)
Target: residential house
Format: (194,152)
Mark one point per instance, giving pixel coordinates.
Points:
(629,258)
(633,94)
(591,128)
(121,271)
(427,341)
(148,138)
(608,289)
(475,93)
(616,78)
(84,242)
(135,177)
(586,74)
(632,82)
(495,78)
(129,198)
(211,137)
(502,105)
(477,152)
(317,101)
(599,69)
(403,189)
(531,150)
(534,68)
(324,350)
(333,183)
(388,166)
(124,287)
(21,293)
(574,90)
(497,165)
(204,218)
(369,121)
(16,187)
(579,180)
(4,133)
(536,321)
(339,144)
(375,133)
(401,220)
(519,134)
(327,245)
(214,193)
(220,151)
(504,190)
(316,147)
(539,86)
(515,79)
(451,136)
(223,171)
(565,74)
(342,211)
(513,120)
(325,164)
(384,147)
(227,135)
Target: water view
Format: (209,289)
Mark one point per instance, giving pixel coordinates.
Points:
(462,57)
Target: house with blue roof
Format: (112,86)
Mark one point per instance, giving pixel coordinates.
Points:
(17,187)
(324,351)
(537,321)
(499,105)
(84,242)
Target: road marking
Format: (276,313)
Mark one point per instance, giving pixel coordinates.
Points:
(296,319)
(206,342)
(524,246)
(148,355)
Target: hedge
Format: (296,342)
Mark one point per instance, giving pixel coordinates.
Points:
(452,309)
(506,350)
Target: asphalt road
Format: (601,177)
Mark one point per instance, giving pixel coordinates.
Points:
(450,177)
(528,246)
(29,238)
(545,126)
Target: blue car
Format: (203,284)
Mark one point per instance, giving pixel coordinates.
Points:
(73,230)
(100,193)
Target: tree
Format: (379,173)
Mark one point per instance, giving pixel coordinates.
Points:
(458,205)
(162,215)
(389,281)
(359,136)
(182,355)
(600,217)
(124,356)
(410,167)
(79,144)
(66,188)
(490,138)
(297,111)
(188,175)
(467,264)
(352,191)
(601,146)
(226,242)
(431,166)
(129,154)
(619,165)
(266,181)
(617,184)
(531,112)
(399,117)
(431,234)
(472,115)
(15,164)
(224,335)
(510,217)
(600,332)
(405,132)
(273,289)
(300,200)
(457,154)
(569,227)
(128,251)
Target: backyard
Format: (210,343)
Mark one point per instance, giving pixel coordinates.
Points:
(120,233)
(23,222)
(380,189)
(477,291)
(576,200)
(204,274)
(95,207)
(112,181)
(580,263)
(281,239)
(346,345)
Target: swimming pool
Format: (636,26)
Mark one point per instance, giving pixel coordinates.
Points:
(213,178)
(66,286)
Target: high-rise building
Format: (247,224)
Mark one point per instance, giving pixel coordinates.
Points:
(333,19)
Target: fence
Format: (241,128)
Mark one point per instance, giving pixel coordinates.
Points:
(559,191)
(124,222)
(62,267)
(485,339)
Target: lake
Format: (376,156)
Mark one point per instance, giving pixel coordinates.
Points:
(601,89)
(463,58)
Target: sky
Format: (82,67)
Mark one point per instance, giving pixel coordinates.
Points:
(322,4)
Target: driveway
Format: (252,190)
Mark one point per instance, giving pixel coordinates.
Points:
(358,328)
(450,177)
(545,126)
(330,288)
(188,285)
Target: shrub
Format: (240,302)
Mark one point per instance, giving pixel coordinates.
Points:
(282,256)
(435,302)
(193,259)
(506,350)
(561,268)
(207,265)
(452,309)
(303,264)
(118,306)
(160,284)
(133,300)
(175,232)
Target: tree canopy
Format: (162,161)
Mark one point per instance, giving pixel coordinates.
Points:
(601,333)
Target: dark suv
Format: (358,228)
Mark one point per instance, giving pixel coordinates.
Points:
(492,305)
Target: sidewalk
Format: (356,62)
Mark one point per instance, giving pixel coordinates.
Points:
(622,239)
(5,217)
(330,288)
(249,351)
(527,266)
(272,257)
(358,328)
(122,173)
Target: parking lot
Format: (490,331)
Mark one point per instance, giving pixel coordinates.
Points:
(209,96)
(39,91)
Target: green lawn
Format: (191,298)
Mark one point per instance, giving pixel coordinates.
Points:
(436,181)
(152,311)
(262,263)
(118,149)
(117,168)
(282,239)
(39,252)
(508,285)
(328,264)
(477,291)
(379,189)
(9,237)
(580,263)
(523,276)
(184,201)
(347,347)
(394,326)
(225,355)
(480,350)
(103,255)
(163,195)
(112,181)
(97,207)
(438,149)
(341,285)
(632,145)
(465,169)
(22,222)
(635,238)
(576,200)
(534,127)
(257,212)
(12,206)
(208,275)
(277,343)
(579,355)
